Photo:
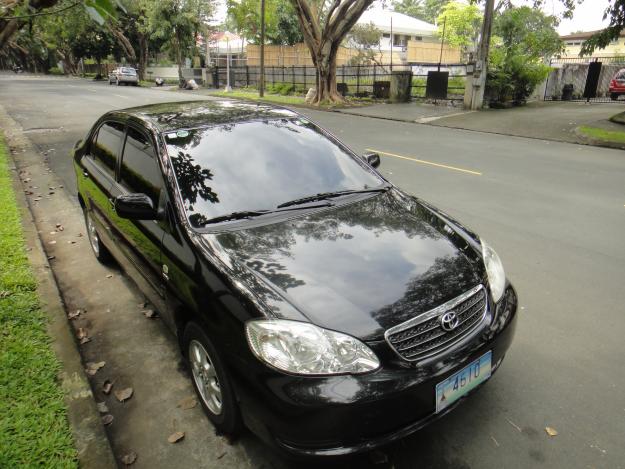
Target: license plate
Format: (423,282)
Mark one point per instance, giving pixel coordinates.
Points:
(460,383)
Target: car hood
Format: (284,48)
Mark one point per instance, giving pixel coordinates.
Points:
(358,268)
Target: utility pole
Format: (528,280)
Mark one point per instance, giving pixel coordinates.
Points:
(474,93)
(261,84)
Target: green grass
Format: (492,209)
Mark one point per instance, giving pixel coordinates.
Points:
(618,118)
(33,420)
(292,100)
(602,134)
(253,95)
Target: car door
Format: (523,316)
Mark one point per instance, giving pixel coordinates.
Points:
(99,166)
(141,240)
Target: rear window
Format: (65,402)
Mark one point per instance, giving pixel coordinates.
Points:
(129,71)
(259,164)
(106,146)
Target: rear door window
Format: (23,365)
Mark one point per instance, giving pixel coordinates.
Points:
(140,172)
(106,146)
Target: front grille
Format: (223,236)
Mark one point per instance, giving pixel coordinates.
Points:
(424,336)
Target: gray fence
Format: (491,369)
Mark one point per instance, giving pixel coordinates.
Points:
(574,72)
(353,80)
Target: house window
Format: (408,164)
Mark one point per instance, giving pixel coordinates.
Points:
(399,40)
(418,38)
(387,35)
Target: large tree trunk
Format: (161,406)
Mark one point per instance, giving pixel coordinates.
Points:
(326,76)
(143,55)
(323,33)
(125,44)
(7,29)
(179,59)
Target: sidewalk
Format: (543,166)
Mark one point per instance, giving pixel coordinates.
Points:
(542,120)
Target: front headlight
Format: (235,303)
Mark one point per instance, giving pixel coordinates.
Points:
(305,349)
(494,269)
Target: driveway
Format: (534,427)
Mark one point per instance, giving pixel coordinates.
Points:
(554,211)
(550,120)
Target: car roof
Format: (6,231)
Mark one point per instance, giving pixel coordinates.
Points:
(192,114)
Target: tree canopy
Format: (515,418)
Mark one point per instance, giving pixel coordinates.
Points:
(461,22)
(426,10)
(281,25)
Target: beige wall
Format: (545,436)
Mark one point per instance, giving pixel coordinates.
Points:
(286,56)
(417,51)
(614,49)
(430,52)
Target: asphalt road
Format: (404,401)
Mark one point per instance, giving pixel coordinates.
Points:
(555,212)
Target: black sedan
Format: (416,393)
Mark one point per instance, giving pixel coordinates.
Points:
(315,302)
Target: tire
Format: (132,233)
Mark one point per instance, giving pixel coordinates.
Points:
(101,253)
(614,96)
(217,395)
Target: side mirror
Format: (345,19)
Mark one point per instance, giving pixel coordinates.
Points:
(135,207)
(372,158)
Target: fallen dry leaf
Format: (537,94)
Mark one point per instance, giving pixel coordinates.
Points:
(175,437)
(107,419)
(150,314)
(107,386)
(129,458)
(5,294)
(124,394)
(75,314)
(187,403)
(84,340)
(52,242)
(109,276)
(79,235)
(102,407)
(51,258)
(551,431)
(221,455)
(93,367)
(82,333)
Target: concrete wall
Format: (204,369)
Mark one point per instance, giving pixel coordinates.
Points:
(575,74)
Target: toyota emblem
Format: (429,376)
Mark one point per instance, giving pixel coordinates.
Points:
(449,321)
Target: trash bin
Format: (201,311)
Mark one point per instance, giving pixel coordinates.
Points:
(567,92)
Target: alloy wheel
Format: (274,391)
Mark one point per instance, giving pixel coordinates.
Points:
(93,235)
(205,377)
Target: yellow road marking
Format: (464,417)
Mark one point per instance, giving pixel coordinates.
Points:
(438,165)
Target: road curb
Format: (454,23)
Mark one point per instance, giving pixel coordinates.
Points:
(598,142)
(90,440)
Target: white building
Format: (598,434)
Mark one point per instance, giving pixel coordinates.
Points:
(403,28)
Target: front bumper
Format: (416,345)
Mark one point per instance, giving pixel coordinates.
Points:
(340,415)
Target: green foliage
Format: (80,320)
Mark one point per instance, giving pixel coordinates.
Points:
(616,13)
(366,40)
(426,10)
(33,417)
(529,30)
(177,23)
(462,23)
(55,71)
(281,24)
(524,37)
(285,88)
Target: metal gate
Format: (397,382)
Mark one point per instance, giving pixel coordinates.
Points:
(585,79)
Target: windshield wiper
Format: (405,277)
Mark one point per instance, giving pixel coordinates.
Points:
(235,216)
(245,214)
(329,195)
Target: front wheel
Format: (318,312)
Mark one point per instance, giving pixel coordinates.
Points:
(614,96)
(100,251)
(211,381)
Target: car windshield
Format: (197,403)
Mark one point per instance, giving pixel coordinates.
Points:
(129,71)
(258,165)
